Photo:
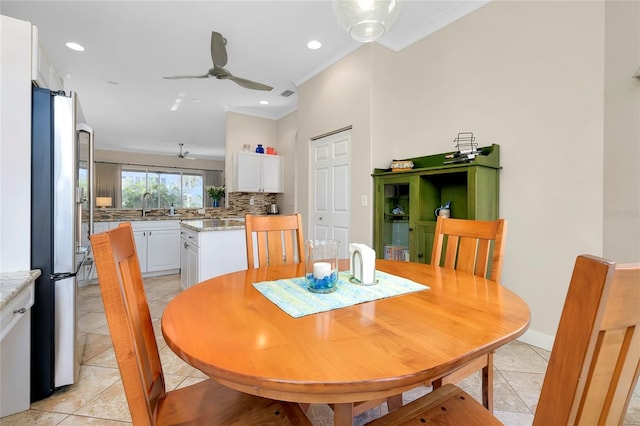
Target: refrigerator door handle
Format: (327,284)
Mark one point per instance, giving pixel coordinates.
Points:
(57,276)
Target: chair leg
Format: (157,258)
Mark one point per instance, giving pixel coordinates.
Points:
(394,402)
(487,383)
(435,384)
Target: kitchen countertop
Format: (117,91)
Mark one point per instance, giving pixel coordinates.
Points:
(140,218)
(12,283)
(224,224)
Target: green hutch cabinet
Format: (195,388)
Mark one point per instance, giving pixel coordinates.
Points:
(405,202)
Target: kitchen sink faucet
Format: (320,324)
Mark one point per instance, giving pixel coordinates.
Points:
(145,201)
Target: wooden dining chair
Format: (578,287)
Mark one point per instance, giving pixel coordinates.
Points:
(278,239)
(477,247)
(594,363)
(136,350)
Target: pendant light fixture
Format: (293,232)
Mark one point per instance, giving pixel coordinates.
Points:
(366,20)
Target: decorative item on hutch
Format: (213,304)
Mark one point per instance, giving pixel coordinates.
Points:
(401,165)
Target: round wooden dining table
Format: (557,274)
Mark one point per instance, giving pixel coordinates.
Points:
(230,331)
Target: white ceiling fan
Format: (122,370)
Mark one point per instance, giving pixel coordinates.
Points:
(219,59)
(184,155)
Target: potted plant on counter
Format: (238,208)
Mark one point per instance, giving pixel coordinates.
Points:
(215,192)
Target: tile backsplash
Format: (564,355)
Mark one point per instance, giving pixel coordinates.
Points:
(239,205)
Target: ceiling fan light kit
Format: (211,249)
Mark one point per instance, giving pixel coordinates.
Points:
(366,20)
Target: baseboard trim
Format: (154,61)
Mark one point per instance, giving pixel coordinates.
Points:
(537,339)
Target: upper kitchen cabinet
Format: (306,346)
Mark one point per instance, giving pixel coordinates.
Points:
(258,173)
(405,202)
(42,70)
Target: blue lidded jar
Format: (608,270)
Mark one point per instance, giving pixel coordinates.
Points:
(260,149)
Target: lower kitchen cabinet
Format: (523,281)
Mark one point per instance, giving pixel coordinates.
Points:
(207,254)
(188,258)
(15,347)
(158,245)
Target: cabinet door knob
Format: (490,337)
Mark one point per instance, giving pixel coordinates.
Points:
(410,229)
(185,245)
(420,255)
(20,311)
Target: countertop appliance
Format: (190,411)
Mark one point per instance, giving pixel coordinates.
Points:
(61,222)
(272,209)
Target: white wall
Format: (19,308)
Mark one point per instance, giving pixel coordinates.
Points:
(526,75)
(622,132)
(286,146)
(334,99)
(103,155)
(15,145)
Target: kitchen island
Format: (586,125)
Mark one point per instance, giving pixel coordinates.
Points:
(211,247)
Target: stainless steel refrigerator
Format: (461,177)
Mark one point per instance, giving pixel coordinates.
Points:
(61,221)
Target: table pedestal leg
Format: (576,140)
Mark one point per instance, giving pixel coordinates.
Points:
(343,414)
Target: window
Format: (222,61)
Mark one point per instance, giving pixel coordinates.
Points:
(182,188)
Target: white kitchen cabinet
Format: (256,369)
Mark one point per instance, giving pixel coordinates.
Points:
(42,70)
(259,172)
(207,254)
(88,271)
(158,245)
(188,258)
(163,249)
(99,227)
(140,238)
(15,347)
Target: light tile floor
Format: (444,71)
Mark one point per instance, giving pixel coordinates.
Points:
(98,397)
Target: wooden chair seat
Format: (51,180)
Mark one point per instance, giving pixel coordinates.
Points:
(447,405)
(136,349)
(209,402)
(594,363)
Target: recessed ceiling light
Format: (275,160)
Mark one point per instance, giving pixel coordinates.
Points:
(264,102)
(176,104)
(74,46)
(314,44)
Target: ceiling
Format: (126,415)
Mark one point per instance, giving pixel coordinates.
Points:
(131,45)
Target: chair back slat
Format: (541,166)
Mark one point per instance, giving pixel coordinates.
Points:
(129,321)
(482,257)
(474,246)
(279,240)
(595,360)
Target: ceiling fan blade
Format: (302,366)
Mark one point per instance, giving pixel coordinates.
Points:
(176,77)
(250,84)
(218,49)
